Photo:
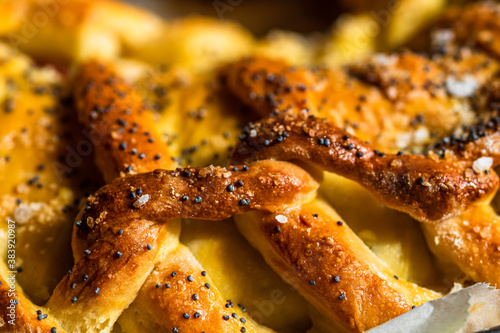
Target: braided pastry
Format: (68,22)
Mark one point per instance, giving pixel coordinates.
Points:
(125,242)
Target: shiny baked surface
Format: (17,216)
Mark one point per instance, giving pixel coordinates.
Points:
(46,167)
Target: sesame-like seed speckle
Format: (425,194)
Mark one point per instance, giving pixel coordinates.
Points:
(244,202)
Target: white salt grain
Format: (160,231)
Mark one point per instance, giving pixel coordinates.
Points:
(281,218)
(461,88)
(141,201)
(482,164)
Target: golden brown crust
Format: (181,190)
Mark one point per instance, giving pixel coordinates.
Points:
(270,86)
(18,314)
(317,253)
(397,102)
(471,241)
(190,306)
(163,239)
(126,232)
(125,139)
(411,78)
(97,241)
(427,189)
(480,140)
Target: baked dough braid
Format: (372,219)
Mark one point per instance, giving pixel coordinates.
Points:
(271,185)
(401,102)
(466,235)
(423,187)
(129,229)
(315,251)
(105,255)
(448,195)
(119,109)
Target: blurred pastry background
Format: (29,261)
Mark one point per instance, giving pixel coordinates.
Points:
(332,32)
(302,32)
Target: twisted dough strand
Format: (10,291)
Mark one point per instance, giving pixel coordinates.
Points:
(427,189)
(315,251)
(442,188)
(112,209)
(125,142)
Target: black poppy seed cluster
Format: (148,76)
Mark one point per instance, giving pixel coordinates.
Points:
(471,134)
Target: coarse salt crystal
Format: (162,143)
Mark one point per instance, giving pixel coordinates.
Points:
(23,214)
(281,218)
(482,164)
(442,37)
(141,201)
(461,88)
